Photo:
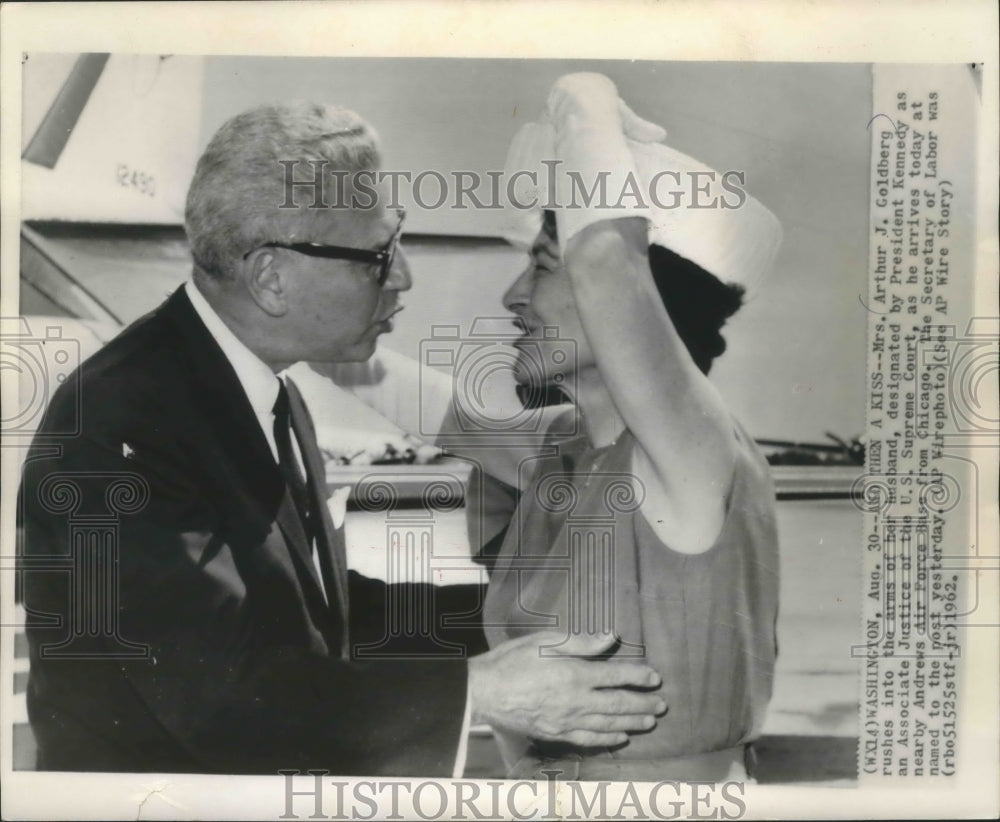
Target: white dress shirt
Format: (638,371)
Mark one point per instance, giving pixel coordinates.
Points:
(259,382)
(261,386)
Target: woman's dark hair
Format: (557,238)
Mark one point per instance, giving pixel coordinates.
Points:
(698,303)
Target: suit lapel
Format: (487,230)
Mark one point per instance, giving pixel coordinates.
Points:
(333,544)
(290,524)
(220,393)
(237,432)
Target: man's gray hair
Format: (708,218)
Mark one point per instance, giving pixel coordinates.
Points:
(238,186)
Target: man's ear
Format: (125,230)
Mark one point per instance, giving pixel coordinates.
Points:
(266,283)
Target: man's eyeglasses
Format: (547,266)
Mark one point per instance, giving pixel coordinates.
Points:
(383,259)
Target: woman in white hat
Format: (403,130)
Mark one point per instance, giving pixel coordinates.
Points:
(656,523)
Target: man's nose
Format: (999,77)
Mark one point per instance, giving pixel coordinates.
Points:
(399,278)
(518,296)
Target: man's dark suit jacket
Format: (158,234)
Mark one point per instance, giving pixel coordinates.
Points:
(243,670)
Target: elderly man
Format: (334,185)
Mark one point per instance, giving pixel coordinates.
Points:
(227,640)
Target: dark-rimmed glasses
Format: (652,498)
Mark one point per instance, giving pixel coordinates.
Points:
(383,259)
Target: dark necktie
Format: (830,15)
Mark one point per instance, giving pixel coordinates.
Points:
(309,493)
(289,465)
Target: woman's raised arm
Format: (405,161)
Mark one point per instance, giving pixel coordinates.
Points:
(687,445)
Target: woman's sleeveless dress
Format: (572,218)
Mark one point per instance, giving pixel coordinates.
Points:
(580,557)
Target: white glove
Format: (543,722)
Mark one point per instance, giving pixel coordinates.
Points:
(593,101)
(592,126)
(587,129)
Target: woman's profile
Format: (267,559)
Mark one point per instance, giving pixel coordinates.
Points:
(656,523)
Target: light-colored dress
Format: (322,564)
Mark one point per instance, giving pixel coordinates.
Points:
(581,557)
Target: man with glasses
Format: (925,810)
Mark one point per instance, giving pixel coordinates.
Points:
(225,635)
